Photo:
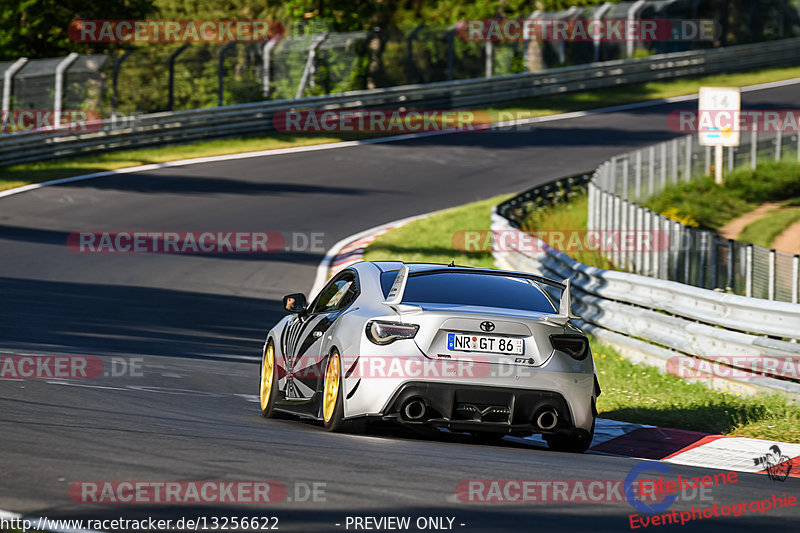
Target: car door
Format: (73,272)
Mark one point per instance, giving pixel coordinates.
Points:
(305,360)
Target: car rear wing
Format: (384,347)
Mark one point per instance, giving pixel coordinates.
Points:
(395,296)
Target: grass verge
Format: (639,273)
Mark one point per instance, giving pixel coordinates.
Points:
(711,205)
(21,174)
(763,232)
(631,393)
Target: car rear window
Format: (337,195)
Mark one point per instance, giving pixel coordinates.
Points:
(472,289)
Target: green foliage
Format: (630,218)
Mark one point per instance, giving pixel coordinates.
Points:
(763,231)
(712,206)
(38,28)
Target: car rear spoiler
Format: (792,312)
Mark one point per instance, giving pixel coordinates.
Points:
(398,288)
(564,306)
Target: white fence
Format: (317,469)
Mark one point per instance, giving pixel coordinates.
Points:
(191,125)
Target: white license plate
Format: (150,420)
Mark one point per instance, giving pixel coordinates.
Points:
(483,343)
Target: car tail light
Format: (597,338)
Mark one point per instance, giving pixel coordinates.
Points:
(388,332)
(576,346)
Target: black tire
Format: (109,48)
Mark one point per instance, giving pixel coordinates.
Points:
(267,397)
(577,441)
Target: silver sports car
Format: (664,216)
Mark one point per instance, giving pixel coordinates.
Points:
(473,350)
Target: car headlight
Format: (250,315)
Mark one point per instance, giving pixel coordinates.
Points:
(387,332)
(576,346)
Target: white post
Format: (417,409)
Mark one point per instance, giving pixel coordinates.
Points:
(266,60)
(753,148)
(795,280)
(312,52)
(638,184)
(748,271)
(596,37)
(731,159)
(778,144)
(8,78)
(488,66)
(632,12)
(652,165)
(688,163)
(562,50)
(61,68)
(718,165)
(771,278)
(625,173)
(663,165)
(708,161)
(675,160)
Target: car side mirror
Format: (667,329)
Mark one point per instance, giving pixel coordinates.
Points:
(295,303)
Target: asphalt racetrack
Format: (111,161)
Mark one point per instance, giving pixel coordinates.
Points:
(192,326)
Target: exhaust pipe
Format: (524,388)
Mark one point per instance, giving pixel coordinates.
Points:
(547,419)
(414,409)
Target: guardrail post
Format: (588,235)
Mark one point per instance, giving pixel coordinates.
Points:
(778,143)
(171,83)
(8,79)
(771,276)
(221,72)
(61,68)
(753,148)
(646,226)
(688,154)
(409,53)
(623,231)
(795,280)
(638,239)
(266,64)
(748,271)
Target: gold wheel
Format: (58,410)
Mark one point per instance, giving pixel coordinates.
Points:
(266,376)
(331,392)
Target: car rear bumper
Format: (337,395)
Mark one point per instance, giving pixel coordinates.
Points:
(460,407)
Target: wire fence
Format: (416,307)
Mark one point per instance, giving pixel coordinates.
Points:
(682,253)
(157,77)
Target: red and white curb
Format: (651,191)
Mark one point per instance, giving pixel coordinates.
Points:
(678,446)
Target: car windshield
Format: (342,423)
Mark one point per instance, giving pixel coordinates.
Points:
(472,289)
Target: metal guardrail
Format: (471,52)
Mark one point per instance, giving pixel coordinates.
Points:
(192,125)
(665,323)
